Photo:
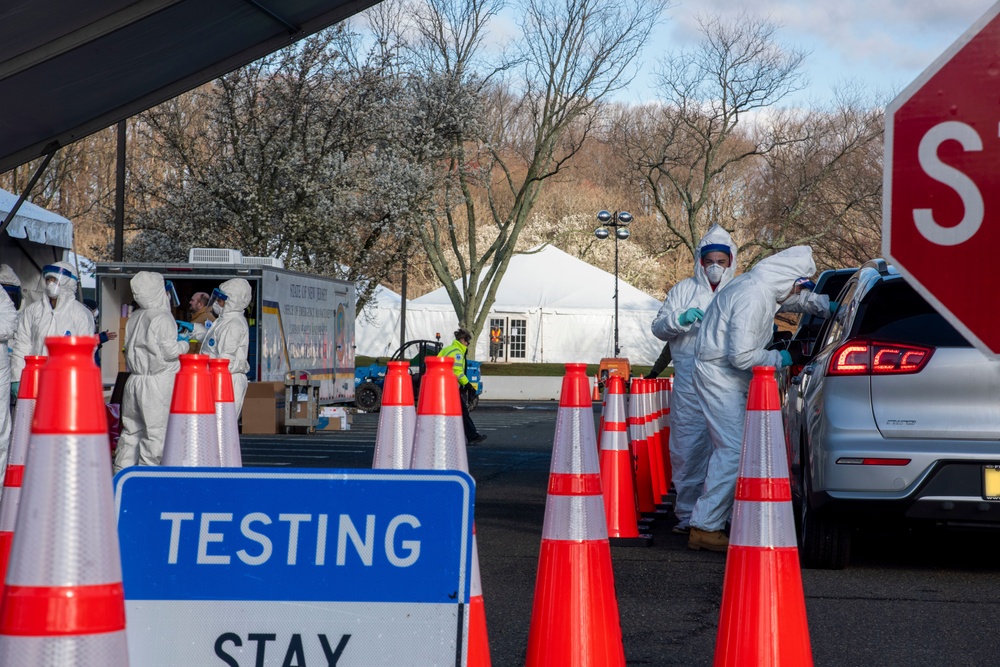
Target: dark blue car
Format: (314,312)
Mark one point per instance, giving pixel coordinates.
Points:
(368,380)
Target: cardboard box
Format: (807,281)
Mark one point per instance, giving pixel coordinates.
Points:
(264,408)
(333,418)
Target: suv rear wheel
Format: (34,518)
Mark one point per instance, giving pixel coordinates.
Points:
(368,396)
(824,542)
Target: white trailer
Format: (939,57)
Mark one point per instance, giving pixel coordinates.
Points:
(298,321)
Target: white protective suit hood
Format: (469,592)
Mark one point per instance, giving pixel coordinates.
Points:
(781,270)
(8,277)
(67,284)
(149,291)
(715,235)
(238,291)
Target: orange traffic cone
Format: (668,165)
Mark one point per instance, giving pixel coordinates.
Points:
(596,396)
(439,444)
(574,618)
(396,419)
(640,450)
(650,412)
(617,479)
(192,435)
(63,603)
(17,454)
(763,615)
(663,434)
(226,420)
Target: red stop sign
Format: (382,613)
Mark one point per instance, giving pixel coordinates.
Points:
(941,200)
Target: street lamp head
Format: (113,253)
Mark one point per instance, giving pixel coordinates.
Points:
(601,233)
(604,217)
(622,233)
(624,218)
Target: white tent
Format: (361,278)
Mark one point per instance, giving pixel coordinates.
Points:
(552,307)
(34,238)
(376,330)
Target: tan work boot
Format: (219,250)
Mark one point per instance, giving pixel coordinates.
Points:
(712,540)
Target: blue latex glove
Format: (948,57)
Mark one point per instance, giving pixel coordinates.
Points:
(834,306)
(690,316)
(14,387)
(786,359)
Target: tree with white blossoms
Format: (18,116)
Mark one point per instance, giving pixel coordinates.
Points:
(293,156)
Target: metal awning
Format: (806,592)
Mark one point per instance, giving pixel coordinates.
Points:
(69,68)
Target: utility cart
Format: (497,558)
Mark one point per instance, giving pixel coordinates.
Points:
(301,401)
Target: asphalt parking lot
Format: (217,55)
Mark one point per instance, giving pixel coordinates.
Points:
(909,598)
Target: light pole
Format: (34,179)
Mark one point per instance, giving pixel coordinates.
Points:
(619,221)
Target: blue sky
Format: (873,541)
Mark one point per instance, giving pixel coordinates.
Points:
(881,44)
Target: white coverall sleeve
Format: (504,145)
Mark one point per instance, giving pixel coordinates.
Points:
(233,343)
(21,346)
(665,325)
(809,302)
(164,333)
(745,334)
(8,318)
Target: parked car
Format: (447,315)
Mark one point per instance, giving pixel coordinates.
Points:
(895,417)
(368,380)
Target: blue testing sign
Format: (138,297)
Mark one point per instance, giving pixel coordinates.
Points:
(260,567)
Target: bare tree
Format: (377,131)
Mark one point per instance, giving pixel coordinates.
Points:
(691,147)
(824,189)
(503,131)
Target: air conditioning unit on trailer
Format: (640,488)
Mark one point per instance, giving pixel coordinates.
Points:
(214,256)
(265,261)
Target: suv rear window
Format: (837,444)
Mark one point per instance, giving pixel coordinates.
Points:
(895,313)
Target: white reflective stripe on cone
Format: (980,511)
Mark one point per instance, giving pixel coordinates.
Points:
(394,438)
(475,585)
(191,441)
(648,420)
(612,440)
(657,409)
(762,524)
(575,425)
(574,518)
(439,444)
(105,649)
(58,514)
(763,427)
(8,507)
(228,434)
(614,408)
(21,434)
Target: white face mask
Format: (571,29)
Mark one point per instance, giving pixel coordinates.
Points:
(715,273)
(217,308)
(52,290)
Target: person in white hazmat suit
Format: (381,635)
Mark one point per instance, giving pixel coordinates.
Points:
(734,334)
(152,349)
(8,326)
(677,322)
(58,313)
(229,337)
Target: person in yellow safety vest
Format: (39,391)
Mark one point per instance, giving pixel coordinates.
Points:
(457,351)
(496,338)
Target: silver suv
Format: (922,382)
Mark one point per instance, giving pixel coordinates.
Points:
(895,417)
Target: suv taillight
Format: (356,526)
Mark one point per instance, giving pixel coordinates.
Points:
(861,357)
